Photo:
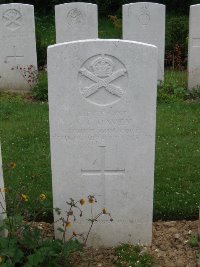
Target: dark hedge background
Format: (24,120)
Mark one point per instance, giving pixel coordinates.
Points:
(107,7)
(176,41)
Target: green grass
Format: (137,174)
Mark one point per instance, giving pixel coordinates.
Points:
(107,30)
(24,131)
(128,255)
(177,169)
(174,87)
(179,77)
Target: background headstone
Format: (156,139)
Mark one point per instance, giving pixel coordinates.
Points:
(102,97)
(145,22)
(2,196)
(194,47)
(76,21)
(18,60)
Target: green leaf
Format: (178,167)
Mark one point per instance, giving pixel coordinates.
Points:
(35,259)
(61,229)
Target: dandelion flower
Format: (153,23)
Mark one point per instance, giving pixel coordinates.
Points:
(3,190)
(24,198)
(68,224)
(42,197)
(82,201)
(104,211)
(12,165)
(91,199)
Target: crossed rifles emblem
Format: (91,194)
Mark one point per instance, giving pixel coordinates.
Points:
(102,76)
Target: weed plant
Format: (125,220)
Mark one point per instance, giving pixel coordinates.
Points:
(132,256)
(24,243)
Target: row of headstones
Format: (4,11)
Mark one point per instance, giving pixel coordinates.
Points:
(102,114)
(102,110)
(143,22)
(102,104)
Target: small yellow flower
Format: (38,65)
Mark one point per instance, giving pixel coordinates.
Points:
(42,197)
(12,165)
(82,201)
(1,259)
(24,198)
(3,190)
(91,199)
(68,224)
(104,211)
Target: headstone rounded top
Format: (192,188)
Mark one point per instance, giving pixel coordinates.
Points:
(75,4)
(17,4)
(76,21)
(194,6)
(99,41)
(142,3)
(18,57)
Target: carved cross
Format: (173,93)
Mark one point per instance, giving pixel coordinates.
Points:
(102,171)
(14,56)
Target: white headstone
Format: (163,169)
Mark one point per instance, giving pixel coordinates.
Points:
(76,21)
(2,196)
(18,60)
(145,22)
(194,47)
(102,97)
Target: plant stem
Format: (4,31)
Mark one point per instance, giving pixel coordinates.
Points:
(89,232)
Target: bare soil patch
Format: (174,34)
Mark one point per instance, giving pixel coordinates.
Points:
(170,247)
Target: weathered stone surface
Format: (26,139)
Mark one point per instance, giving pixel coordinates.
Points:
(18,60)
(76,21)
(102,131)
(194,47)
(2,196)
(145,22)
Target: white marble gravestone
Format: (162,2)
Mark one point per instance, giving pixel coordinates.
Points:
(2,196)
(76,21)
(102,100)
(145,22)
(18,60)
(194,47)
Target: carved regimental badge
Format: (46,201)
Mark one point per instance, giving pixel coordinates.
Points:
(12,19)
(144,17)
(74,16)
(103,79)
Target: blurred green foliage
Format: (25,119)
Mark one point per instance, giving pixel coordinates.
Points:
(177,25)
(109,6)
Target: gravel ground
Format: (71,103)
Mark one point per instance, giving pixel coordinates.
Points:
(170,247)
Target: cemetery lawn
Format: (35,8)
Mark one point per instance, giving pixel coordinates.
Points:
(24,131)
